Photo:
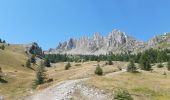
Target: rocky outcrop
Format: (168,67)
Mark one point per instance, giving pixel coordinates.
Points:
(116,42)
(162,41)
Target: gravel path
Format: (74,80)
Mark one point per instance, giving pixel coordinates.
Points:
(70,89)
(62,91)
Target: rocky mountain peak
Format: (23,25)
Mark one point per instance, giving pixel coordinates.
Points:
(116,42)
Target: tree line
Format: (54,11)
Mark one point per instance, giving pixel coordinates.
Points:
(150,55)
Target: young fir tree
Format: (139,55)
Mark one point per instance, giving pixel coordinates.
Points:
(67,66)
(98,70)
(40,74)
(110,62)
(28,63)
(131,67)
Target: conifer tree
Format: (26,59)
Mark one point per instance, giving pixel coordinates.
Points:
(131,67)
(145,63)
(98,70)
(67,66)
(40,74)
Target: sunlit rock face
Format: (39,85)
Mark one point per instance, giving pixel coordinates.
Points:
(115,42)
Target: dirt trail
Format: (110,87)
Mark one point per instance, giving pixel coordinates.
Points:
(72,90)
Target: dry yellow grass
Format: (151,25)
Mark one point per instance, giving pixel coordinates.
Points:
(19,78)
(79,70)
(142,86)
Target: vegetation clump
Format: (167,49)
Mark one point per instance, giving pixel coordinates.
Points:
(28,63)
(145,62)
(160,65)
(122,94)
(131,67)
(110,62)
(149,56)
(40,74)
(47,63)
(2,47)
(35,49)
(98,70)
(33,60)
(67,66)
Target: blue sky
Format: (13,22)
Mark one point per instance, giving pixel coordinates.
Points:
(51,21)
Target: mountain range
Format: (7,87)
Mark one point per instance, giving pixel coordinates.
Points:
(115,42)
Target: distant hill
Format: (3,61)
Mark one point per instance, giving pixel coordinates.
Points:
(115,42)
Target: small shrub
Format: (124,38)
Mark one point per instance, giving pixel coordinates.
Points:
(131,67)
(67,66)
(98,70)
(28,63)
(160,65)
(77,64)
(47,63)
(2,47)
(50,80)
(122,94)
(110,62)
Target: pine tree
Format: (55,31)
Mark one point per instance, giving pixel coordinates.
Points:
(131,67)
(28,63)
(40,74)
(98,70)
(145,63)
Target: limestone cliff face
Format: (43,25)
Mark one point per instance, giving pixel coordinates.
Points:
(116,42)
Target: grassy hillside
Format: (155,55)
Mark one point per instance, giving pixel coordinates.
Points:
(143,86)
(18,77)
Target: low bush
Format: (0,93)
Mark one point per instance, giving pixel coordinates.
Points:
(122,94)
(98,70)
(160,65)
